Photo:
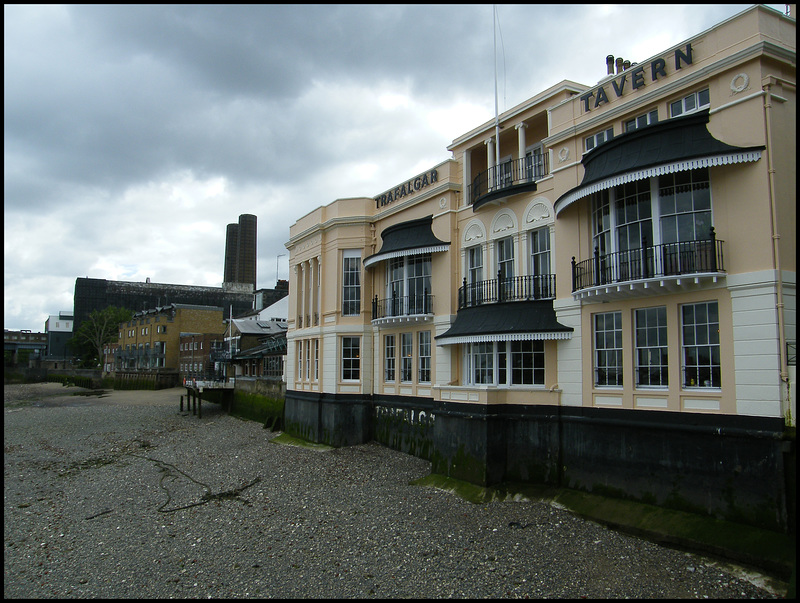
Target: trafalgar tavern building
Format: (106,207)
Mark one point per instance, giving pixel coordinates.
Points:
(596,292)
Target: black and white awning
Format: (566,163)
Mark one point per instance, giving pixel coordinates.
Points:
(414,237)
(509,321)
(675,145)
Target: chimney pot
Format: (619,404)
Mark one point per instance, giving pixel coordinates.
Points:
(610,64)
(626,65)
(619,64)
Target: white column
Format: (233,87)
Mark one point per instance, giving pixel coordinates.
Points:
(311,290)
(521,139)
(308,270)
(298,293)
(467,179)
(491,175)
(317,298)
(302,292)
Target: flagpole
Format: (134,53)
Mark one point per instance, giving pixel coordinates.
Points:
(496,113)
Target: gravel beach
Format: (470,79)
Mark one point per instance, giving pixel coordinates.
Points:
(121,495)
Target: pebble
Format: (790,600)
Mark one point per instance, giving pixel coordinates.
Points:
(124,496)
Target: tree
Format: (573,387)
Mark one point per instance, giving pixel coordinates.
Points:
(100,328)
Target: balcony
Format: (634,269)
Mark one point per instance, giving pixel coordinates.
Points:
(402,308)
(499,290)
(656,267)
(508,178)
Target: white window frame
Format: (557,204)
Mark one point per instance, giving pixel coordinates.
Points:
(606,214)
(651,346)
(389,358)
(595,140)
(474,271)
(424,356)
(616,348)
(300,360)
(703,335)
(534,162)
(640,121)
(536,252)
(691,103)
(406,357)
(316,360)
(351,364)
(351,268)
(400,275)
(494,363)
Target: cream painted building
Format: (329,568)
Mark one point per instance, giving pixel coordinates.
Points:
(602,298)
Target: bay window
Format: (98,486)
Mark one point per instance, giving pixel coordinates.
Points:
(505,363)
(408,285)
(656,226)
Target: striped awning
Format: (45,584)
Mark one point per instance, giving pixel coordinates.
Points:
(414,237)
(508,321)
(675,145)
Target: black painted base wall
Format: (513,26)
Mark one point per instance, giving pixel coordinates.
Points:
(729,467)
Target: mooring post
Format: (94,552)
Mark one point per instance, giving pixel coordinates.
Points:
(200,406)
(194,403)
(181,402)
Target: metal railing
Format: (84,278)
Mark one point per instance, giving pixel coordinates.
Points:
(516,288)
(509,174)
(669,259)
(402,305)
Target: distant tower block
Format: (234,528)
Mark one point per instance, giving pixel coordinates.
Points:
(246,250)
(240,253)
(231,244)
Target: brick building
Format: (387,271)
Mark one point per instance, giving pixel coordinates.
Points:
(151,341)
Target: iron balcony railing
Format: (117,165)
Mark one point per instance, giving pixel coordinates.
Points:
(516,288)
(509,174)
(402,305)
(654,261)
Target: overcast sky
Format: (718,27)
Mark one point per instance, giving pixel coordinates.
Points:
(135,134)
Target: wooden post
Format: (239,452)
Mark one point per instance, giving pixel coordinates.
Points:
(181,402)
(199,406)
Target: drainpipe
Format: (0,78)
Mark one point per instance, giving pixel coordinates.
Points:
(776,256)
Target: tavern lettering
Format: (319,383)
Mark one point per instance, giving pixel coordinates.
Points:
(635,78)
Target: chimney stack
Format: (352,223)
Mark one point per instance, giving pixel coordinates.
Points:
(610,64)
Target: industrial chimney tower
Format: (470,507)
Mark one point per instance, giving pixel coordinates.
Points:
(240,253)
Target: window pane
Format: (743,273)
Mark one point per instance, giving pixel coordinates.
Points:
(406,350)
(608,348)
(701,353)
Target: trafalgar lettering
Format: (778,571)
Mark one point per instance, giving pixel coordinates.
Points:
(407,188)
(635,79)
